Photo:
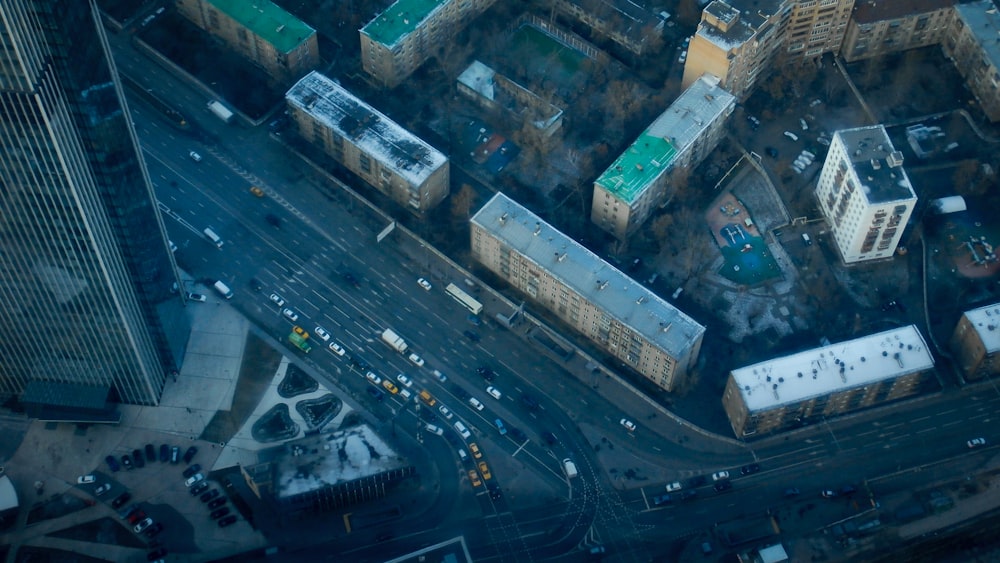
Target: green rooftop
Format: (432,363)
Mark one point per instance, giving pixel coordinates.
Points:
(267,20)
(399,19)
(631,173)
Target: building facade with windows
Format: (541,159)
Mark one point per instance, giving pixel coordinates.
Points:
(811,386)
(624,22)
(864,194)
(261,32)
(397,41)
(880,27)
(976,342)
(971,43)
(392,160)
(91,307)
(816,27)
(612,310)
(638,181)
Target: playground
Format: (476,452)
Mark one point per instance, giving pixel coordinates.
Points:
(547,57)
(747,260)
(970,245)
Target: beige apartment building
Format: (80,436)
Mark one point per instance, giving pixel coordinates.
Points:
(623,22)
(816,27)
(612,310)
(406,34)
(880,27)
(811,386)
(392,160)
(973,44)
(976,342)
(263,33)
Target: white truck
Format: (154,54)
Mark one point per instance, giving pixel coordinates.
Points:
(569,468)
(223,290)
(394,340)
(220,111)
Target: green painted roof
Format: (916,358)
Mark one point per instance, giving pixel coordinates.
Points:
(267,20)
(399,19)
(639,165)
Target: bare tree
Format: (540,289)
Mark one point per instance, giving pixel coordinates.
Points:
(461,203)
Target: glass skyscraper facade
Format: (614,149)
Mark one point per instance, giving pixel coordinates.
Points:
(87,281)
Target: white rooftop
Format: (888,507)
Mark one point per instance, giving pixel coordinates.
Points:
(837,367)
(479,78)
(697,108)
(587,274)
(378,136)
(986,321)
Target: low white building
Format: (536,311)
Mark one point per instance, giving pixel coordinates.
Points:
(823,382)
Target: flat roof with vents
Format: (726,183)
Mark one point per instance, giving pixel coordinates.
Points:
(400,19)
(374,133)
(585,273)
(983,20)
(877,164)
(838,367)
(986,321)
(268,21)
(674,131)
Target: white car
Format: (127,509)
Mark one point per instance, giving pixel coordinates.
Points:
(675,486)
(976,442)
(404,380)
(102,489)
(494,392)
(277,300)
(417,360)
(194,479)
(373,378)
(683,57)
(476,403)
(628,424)
(142,525)
(440,376)
(195,156)
(424,284)
(445,412)
(805,126)
(791,135)
(720,475)
(290,315)
(405,394)
(322,334)
(337,349)
(84,479)
(196,297)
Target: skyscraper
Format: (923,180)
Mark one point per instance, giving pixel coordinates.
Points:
(87,280)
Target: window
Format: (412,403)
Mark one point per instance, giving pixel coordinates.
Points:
(365,162)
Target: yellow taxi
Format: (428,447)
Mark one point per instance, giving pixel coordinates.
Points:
(485,470)
(474,448)
(300,331)
(474,478)
(390,387)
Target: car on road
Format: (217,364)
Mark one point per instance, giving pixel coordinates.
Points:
(164,453)
(227,520)
(195,156)
(720,475)
(390,387)
(750,469)
(373,378)
(142,525)
(290,314)
(628,424)
(485,470)
(257,191)
(404,380)
(471,335)
(375,393)
(476,403)
(137,458)
(209,495)
(792,492)
(445,412)
(723,486)
(474,478)
(121,499)
(474,448)
(500,426)
(684,56)
(675,486)
(424,284)
(976,442)
(687,495)
(697,481)
(661,500)
(277,300)
(440,376)
(549,438)
(417,360)
(494,392)
(113,464)
(198,488)
(486,373)
(828,493)
(216,503)
(151,531)
(434,429)
(102,489)
(191,470)
(517,434)
(200,298)
(337,349)
(84,479)
(219,513)
(193,479)
(322,333)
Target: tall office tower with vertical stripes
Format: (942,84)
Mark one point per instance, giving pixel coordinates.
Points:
(89,312)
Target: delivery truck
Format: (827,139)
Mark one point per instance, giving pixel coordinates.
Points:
(220,111)
(394,340)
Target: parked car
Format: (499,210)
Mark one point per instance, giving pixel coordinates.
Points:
(723,485)
(675,486)
(474,448)
(750,469)
(191,470)
(156,528)
(150,453)
(127,462)
(175,454)
(164,453)
(720,475)
(102,489)
(189,454)
(976,442)
(142,525)
(156,555)
(199,488)
(227,520)
(113,464)
(120,500)
(209,495)
(661,500)
(485,470)
(219,513)
(193,479)
(137,458)
(85,479)
(216,503)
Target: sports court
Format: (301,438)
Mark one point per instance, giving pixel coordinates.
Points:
(747,260)
(545,56)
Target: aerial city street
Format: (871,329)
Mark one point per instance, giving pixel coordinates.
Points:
(474,280)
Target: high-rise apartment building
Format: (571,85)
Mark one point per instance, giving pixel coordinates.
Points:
(864,194)
(880,27)
(625,319)
(638,181)
(972,44)
(86,276)
(406,34)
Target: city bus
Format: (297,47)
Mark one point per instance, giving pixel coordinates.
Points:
(464,298)
(299,342)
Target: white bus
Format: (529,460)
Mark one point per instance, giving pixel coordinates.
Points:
(464,298)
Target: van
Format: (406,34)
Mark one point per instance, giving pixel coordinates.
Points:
(805,238)
(462,455)
(434,429)
(216,239)
(463,430)
(223,290)
(569,468)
